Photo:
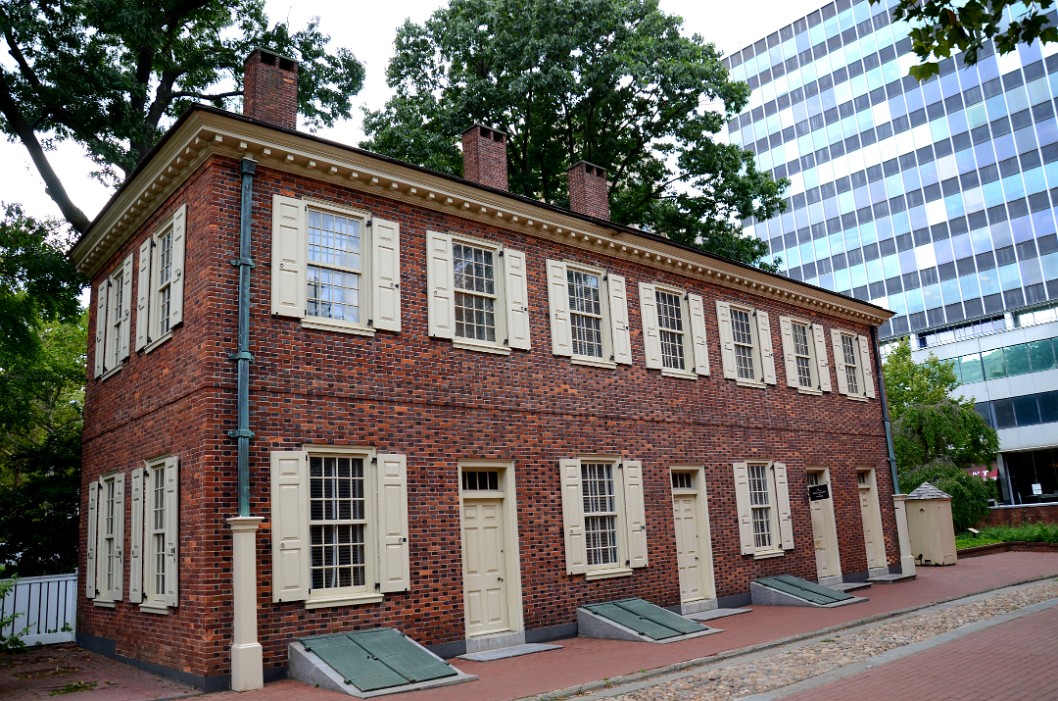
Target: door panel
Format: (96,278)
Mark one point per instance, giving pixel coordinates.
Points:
(484,570)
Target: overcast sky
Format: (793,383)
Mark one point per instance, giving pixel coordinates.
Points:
(369,34)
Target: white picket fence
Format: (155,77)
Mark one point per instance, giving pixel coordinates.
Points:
(46,608)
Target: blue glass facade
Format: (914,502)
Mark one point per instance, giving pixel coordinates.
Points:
(935,200)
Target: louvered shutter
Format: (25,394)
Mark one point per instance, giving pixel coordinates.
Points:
(171,595)
(558,305)
(767,354)
(635,514)
(290,526)
(126,308)
(782,500)
(176,285)
(622,341)
(144,285)
(573,517)
(101,328)
(439,282)
(745,512)
(289,257)
(701,350)
(136,539)
(727,340)
(385,265)
(823,367)
(648,306)
(90,540)
(119,533)
(839,361)
(789,351)
(517,291)
(865,363)
(394,570)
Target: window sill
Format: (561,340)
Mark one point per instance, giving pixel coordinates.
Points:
(321,324)
(679,374)
(767,554)
(592,575)
(809,390)
(156,609)
(856,397)
(594,362)
(107,374)
(481,347)
(103,604)
(343,600)
(154,344)
(751,384)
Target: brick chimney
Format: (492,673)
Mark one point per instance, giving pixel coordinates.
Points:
(588,193)
(485,156)
(270,89)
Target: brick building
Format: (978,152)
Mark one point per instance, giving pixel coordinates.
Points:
(440,407)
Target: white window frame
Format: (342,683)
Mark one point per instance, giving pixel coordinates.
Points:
(106,540)
(629,517)
(160,301)
(818,365)
(779,517)
(763,357)
(695,347)
(113,319)
(863,372)
(511,310)
(379,293)
(154,559)
(387,564)
(613,316)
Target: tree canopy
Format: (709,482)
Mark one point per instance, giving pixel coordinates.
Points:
(109,74)
(940,28)
(611,82)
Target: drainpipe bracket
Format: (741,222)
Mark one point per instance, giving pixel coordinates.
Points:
(241,355)
(241,433)
(239,262)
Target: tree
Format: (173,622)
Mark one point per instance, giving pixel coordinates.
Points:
(942,27)
(611,82)
(108,74)
(969,495)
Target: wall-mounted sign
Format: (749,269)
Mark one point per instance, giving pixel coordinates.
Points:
(1037,489)
(818,492)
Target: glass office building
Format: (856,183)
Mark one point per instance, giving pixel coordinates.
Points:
(936,200)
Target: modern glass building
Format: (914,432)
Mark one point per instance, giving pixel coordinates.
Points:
(936,200)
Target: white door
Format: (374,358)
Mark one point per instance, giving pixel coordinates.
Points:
(484,571)
(872,520)
(693,552)
(824,527)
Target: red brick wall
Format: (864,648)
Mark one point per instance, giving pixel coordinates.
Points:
(588,192)
(1017,515)
(270,89)
(439,405)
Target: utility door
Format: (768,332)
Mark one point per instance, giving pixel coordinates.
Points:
(694,556)
(824,526)
(872,520)
(484,570)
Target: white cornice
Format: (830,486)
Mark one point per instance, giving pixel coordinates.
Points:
(206,133)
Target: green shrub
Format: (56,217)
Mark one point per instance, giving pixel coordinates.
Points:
(1025,533)
(969,494)
(13,642)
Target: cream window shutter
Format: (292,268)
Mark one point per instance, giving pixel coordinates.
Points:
(119,533)
(144,285)
(90,540)
(517,290)
(558,304)
(290,526)
(176,287)
(839,361)
(171,596)
(727,340)
(782,499)
(289,257)
(136,539)
(788,351)
(622,341)
(573,517)
(385,265)
(126,307)
(865,363)
(439,283)
(648,307)
(767,355)
(394,563)
(635,514)
(101,328)
(745,512)
(823,367)
(701,350)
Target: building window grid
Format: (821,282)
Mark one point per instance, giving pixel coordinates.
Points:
(671,331)
(110,544)
(742,334)
(600,513)
(851,357)
(761,506)
(337,522)
(585,311)
(802,354)
(165,280)
(475,292)
(118,318)
(334,266)
(156,526)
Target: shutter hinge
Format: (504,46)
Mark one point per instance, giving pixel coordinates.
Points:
(371,322)
(378,586)
(499,252)
(368,222)
(374,460)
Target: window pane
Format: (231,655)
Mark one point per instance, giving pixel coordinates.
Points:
(1041,357)
(670,325)
(1017,359)
(585,309)
(994,363)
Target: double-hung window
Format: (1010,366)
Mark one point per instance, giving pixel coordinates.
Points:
(762,495)
(340,525)
(106,538)
(113,319)
(153,559)
(335,268)
(805,354)
(478,295)
(673,331)
(604,517)
(852,364)
(160,283)
(589,315)
(745,344)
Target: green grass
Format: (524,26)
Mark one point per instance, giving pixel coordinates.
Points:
(1029,532)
